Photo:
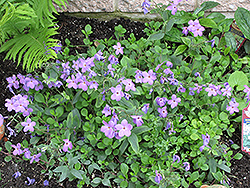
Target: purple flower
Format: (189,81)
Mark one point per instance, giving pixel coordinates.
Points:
(227,90)
(145,108)
(173,8)
(146,4)
(113,60)
(198,88)
(67,145)
(185,31)
(158,66)
(205,139)
(27,153)
(118,48)
(129,85)
(114,117)
(168,126)
(176,158)
(46,183)
(174,101)
(111,70)
(191,91)
(17,150)
(93,84)
(197,74)
(98,56)
(158,177)
(35,157)
(233,106)
(168,71)
(186,165)
(161,101)
(28,125)
(106,111)
(212,42)
(13,82)
(83,84)
(169,64)
(149,77)
(181,89)
(1,119)
(212,90)
(195,27)
(72,82)
(138,77)
(137,120)
(17,174)
(117,93)
(31,181)
(127,96)
(181,117)
(108,129)
(163,112)
(124,128)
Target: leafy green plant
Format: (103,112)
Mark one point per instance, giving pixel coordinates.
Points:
(26,28)
(138,113)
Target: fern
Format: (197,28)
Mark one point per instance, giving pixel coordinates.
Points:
(26,27)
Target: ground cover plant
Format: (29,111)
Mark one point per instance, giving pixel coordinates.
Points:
(149,124)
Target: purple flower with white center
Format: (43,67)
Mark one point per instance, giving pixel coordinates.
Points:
(117,93)
(108,129)
(27,153)
(76,64)
(46,183)
(233,106)
(197,74)
(27,111)
(161,101)
(98,56)
(173,8)
(93,84)
(146,4)
(72,82)
(212,42)
(191,91)
(129,85)
(39,86)
(35,158)
(163,80)
(198,88)
(13,82)
(127,96)
(212,90)
(31,181)
(193,25)
(181,89)
(17,150)
(176,158)
(107,110)
(205,139)
(145,108)
(124,128)
(186,165)
(198,31)
(185,30)
(173,81)
(233,102)
(91,73)
(174,101)
(28,125)
(118,48)
(149,77)
(113,60)
(163,112)
(158,177)
(169,64)
(67,145)
(84,64)
(138,120)
(17,174)
(111,70)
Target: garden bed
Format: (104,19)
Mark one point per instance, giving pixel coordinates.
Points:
(70,27)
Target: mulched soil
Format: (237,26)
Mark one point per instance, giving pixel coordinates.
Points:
(70,27)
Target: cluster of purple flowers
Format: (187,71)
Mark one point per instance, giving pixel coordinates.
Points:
(26,152)
(162,101)
(19,103)
(145,77)
(194,27)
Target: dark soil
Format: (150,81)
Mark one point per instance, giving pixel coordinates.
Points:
(70,27)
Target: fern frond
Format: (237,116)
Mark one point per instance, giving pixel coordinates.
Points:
(31,48)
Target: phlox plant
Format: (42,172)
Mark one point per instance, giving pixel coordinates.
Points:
(137,113)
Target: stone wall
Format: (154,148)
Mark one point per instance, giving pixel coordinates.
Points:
(226,6)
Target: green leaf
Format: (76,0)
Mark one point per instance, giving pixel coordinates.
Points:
(8,146)
(223,116)
(180,49)
(194,136)
(141,129)
(206,22)
(224,167)
(124,169)
(156,36)
(194,176)
(186,41)
(124,184)
(77,96)
(106,182)
(133,140)
(59,111)
(230,41)
(169,25)
(34,140)
(238,156)
(124,146)
(8,158)
(242,18)
(216,16)
(84,112)
(96,180)
(205,6)
(39,98)
(99,101)
(76,173)
(239,79)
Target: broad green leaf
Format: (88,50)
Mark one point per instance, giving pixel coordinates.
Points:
(205,6)
(180,49)
(206,22)
(34,140)
(230,40)
(194,136)
(39,98)
(224,167)
(8,146)
(133,140)
(238,156)
(77,96)
(216,16)
(106,182)
(242,18)
(123,147)
(124,169)
(186,41)
(223,116)
(76,173)
(239,79)
(169,25)
(156,36)
(96,180)
(141,129)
